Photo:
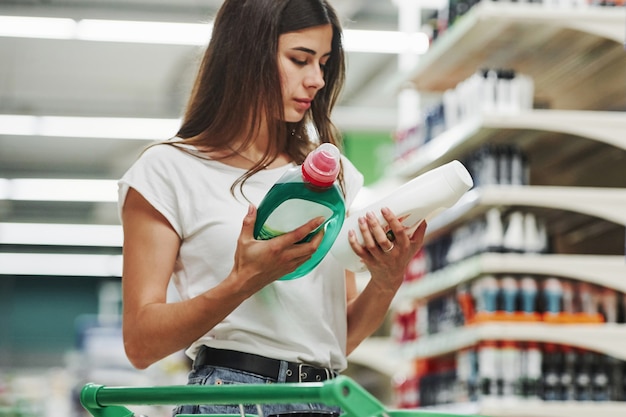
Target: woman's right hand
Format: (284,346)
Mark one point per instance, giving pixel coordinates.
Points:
(260,262)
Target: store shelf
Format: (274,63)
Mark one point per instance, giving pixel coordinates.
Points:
(589,131)
(576,153)
(605,270)
(604,203)
(564,50)
(380,354)
(578,219)
(596,337)
(537,408)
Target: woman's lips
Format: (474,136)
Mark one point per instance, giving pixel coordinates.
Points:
(303,104)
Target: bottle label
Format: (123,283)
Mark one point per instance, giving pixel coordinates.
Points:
(290,215)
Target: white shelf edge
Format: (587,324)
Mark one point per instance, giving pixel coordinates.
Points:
(602,202)
(604,22)
(602,338)
(605,203)
(434,151)
(379,354)
(605,270)
(602,126)
(534,408)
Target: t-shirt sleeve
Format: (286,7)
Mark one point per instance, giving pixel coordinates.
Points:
(153,176)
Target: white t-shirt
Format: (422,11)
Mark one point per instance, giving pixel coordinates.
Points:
(300,320)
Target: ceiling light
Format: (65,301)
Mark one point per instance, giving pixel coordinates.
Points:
(143,32)
(44,189)
(88,127)
(185,33)
(37,27)
(60,264)
(61,234)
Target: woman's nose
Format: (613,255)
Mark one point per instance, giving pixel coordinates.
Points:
(315,78)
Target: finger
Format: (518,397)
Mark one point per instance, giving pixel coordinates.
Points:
(298,234)
(356,246)
(302,252)
(369,241)
(396,229)
(247,228)
(419,233)
(376,228)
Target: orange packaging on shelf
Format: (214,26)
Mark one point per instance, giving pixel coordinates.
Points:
(573,318)
(500,316)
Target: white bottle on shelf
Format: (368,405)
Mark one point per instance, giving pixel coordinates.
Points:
(419,199)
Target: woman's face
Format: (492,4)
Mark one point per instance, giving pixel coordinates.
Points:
(302,56)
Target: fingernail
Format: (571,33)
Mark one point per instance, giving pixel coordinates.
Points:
(370,215)
(385,210)
(362,220)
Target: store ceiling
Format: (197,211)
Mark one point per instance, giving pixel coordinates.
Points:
(43,77)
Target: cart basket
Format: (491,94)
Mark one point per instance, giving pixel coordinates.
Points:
(354,400)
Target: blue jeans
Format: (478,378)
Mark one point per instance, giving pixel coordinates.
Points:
(210,375)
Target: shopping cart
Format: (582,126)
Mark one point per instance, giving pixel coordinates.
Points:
(354,400)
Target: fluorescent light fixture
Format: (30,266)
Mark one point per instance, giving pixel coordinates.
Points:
(144,32)
(61,234)
(185,33)
(37,27)
(106,30)
(60,264)
(44,189)
(87,127)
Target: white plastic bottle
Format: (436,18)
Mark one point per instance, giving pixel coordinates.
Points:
(419,199)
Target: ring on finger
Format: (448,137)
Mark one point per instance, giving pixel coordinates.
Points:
(390,248)
(391,236)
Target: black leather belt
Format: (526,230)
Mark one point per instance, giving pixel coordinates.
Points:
(260,365)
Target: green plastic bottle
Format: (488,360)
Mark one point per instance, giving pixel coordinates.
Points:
(303,193)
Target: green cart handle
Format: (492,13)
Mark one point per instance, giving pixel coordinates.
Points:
(354,400)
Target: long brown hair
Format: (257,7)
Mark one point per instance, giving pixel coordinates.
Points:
(238,83)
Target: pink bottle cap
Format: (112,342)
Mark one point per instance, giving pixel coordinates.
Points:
(321,166)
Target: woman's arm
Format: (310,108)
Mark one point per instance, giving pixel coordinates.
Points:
(153,328)
(367,310)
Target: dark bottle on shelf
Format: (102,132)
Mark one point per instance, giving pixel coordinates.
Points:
(568,389)
(583,376)
(551,370)
(600,390)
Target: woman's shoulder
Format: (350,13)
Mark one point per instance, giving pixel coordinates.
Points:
(164,150)
(167,155)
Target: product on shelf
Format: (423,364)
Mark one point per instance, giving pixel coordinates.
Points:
(489,91)
(510,298)
(468,284)
(517,232)
(505,370)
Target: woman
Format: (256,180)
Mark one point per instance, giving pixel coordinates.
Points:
(266,86)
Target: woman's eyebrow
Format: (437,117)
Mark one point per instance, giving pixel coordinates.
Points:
(309,51)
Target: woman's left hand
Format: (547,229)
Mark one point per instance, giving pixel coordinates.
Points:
(386,255)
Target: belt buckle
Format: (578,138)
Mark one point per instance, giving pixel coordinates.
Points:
(303,375)
(300,373)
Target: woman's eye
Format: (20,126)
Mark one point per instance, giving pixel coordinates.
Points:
(298,62)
